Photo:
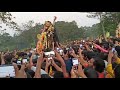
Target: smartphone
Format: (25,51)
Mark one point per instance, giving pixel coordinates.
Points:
(113,49)
(49,54)
(50,58)
(46,54)
(58,49)
(70,50)
(19,62)
(24,61)
(81,45)
(75,62)
(61,52)
(7,71)
(52,53)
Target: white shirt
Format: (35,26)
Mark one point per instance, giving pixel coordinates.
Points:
(106,63)
(42,71)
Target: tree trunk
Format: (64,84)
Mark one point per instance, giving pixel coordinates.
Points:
(103,28)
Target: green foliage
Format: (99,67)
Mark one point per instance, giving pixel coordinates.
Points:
(68,31)
(109,20)
(26,36)
(6,18)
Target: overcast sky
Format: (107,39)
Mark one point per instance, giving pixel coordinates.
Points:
(41,17)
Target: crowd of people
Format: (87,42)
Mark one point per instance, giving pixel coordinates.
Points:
(99,58)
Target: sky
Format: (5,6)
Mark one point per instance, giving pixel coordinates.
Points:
(40,17)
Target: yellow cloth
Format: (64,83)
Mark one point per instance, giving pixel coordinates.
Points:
(118,61)
(109,68)
(42,41)
(50,72)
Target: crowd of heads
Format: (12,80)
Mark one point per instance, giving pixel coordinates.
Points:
(99,58)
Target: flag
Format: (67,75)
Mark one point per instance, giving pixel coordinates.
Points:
(107,34)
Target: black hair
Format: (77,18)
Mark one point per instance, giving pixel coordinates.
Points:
(65,51)
(105,44)
(84,52)
(113,40)
(116,68)
(21,54)
(97,42)
(103,56)
(58,63)
(70,56)
(58,74)
(90,55)
(30,54)
(30,72)
(75,48)
(117,48)
(96,50)
(111,45)
(45,76)
(114,65)
(117,71)
(90,72)
(8,59)
(34,61)
(43,65)
(28,75)
(99,64)
(117,39)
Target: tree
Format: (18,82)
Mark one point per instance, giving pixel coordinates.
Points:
(100,16)
(6,18)
(111,21)
(27,37)
(5,41)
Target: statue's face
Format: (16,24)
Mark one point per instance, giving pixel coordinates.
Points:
(47,25)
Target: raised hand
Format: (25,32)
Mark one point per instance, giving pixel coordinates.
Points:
(81,72)
(19,73)
(55,18)
(52,62)
(63,65)
(2,58)
(38,66)
(48,62)
(110,55)
(73,74)
(80,51)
